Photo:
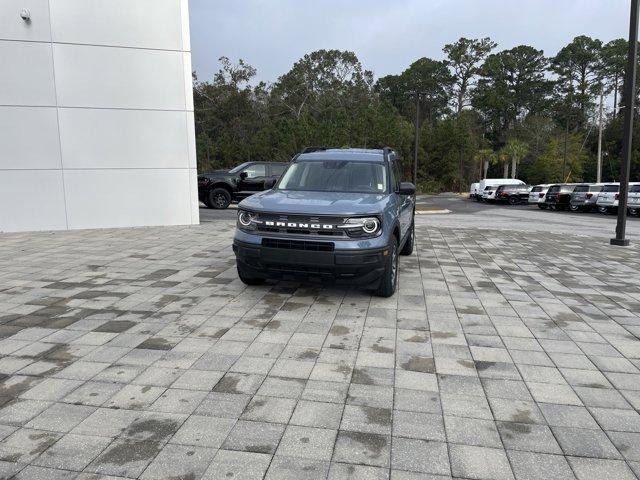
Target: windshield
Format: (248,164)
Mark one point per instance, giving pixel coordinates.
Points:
(611,188)
(335,176)
(238,168)
(537,189)
(634,188)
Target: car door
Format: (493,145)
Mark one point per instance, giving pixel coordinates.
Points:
(405,202)
(275,170)
(251,179)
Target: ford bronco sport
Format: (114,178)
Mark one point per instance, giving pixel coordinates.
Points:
(341,215)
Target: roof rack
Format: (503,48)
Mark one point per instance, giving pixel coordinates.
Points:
(313,149)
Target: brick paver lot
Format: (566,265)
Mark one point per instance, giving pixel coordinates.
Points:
(138,353)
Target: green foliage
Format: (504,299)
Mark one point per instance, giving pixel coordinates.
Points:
(479,112)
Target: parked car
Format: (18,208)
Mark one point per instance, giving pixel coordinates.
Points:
(608,198)
(473,190)
(488,187)
(218,189)
(537,194)
(341,215)
(584,197)
(633,202)
(558,196)
(512,194)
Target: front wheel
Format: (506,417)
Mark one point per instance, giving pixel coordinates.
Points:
(219,198)
(389,279)
(575,208)
(514,200)
(247,278)
(407,248)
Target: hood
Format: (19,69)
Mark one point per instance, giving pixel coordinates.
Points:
(316,203)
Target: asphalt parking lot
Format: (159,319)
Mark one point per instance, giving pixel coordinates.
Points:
(510,351)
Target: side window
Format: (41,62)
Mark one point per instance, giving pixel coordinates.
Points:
(277,170)
(395,176)
(255,170)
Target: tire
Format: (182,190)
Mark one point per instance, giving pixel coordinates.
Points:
(246,278)
(542,206)
(407,248)
(389,280)
(575,208)
(633,211)
(219,198)
(514,200)
(603,210)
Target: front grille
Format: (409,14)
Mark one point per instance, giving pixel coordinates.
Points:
(301,225)
(298,245)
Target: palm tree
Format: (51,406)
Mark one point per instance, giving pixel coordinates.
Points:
(484,157)
(501,157)
(516,150)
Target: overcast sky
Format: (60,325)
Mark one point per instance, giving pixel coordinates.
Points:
(386,35)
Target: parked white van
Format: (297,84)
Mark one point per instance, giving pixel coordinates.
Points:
(488,186)
(473,190)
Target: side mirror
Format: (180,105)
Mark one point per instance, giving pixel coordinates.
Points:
(243,175)
(269,183)
(407,188)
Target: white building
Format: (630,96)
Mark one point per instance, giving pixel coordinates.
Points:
(96,114)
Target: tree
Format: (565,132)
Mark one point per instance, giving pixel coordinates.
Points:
(500,157)
(513,85)
(516,150)
(464,58)
(578,66)
(484,156)
(613,62)
(427,79)
(321,81)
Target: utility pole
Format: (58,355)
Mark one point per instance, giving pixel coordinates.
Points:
(417,141)
(599,169)
(629,98)
(566,133)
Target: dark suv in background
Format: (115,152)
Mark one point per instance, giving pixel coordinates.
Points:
(559,196)
(513,194)
(218,189)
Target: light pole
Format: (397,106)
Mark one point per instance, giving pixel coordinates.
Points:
(599,167)
(417,141)
(629,98)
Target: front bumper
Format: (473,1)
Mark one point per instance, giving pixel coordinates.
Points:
(356,267)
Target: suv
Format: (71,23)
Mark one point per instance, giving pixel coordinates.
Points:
(537,194)
(584,197)
(633,202)
(218,189)
(558,196)
(608,198)
(512,194)
(336,214)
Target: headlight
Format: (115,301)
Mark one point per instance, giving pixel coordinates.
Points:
(362,227)
(246,220)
